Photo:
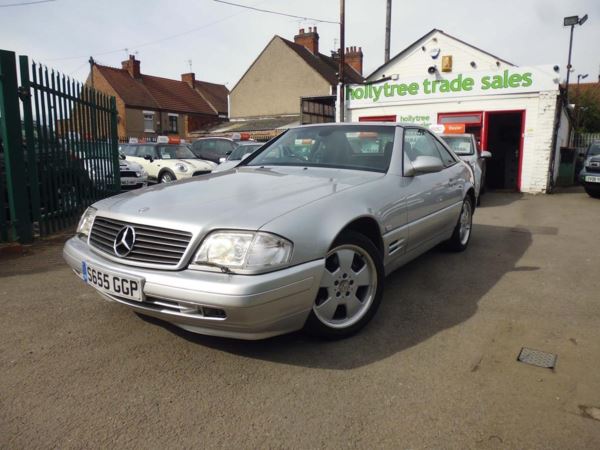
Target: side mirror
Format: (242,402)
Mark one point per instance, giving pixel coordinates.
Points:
(424,164)
(122,156)
(485,154)
(222,160)
(149,158)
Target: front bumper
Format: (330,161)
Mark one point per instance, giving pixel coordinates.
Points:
(255,306)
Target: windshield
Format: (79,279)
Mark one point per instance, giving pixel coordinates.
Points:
(359,147)
(594,150)
(175,152)
(243,150)
(461,145)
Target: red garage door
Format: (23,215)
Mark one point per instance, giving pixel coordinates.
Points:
(377,118)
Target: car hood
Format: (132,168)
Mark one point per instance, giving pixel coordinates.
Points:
(195,163)
(245,198)
(129,165)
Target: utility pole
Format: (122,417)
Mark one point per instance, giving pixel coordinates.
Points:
(342,59)
(388,30)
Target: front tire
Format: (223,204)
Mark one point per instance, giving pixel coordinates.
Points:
(462,232)
(351,288)
(166,177)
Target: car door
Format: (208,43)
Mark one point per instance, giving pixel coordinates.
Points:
(428,193)
(151,164)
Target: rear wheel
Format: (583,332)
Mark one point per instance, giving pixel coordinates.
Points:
(351,288)
(462,232)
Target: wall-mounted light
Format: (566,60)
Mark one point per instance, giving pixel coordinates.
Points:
(431,70)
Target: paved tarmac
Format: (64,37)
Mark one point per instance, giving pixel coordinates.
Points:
(436,368)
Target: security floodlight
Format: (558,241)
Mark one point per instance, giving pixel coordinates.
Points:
(583,77)
(583,19)
(571,20)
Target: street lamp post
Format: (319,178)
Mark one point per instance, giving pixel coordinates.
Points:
(571,21)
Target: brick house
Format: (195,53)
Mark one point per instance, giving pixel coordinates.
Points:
(149,106)
(287,84)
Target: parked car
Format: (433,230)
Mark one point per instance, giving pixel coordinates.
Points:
(465,147)
(286,241)
(213,149)
(166,162)
(242,151)
(590,174)
(132,174)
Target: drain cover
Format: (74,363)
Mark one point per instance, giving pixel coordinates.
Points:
(537,358)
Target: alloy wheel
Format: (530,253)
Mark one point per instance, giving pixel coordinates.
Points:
(348,287)
(465,223)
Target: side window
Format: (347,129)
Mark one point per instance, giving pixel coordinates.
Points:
(128,150)
(143,150)
(223,147)
(447,158)
(418,142)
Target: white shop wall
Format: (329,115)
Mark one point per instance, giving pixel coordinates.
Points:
(414,61)
(539,122)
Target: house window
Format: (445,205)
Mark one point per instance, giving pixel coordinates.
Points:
(149,121)
(173,123)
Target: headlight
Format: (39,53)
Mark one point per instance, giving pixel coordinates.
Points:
(244,250)
(86,221)
(181,167)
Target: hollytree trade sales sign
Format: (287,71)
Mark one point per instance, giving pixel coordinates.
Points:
(509,81)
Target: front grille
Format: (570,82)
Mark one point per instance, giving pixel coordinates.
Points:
(128,174)
(200,172)
(152,244)
(593,166)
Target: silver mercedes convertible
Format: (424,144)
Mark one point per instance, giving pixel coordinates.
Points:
(300,235)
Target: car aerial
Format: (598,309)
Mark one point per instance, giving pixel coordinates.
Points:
(465,147)
(165,162)
(291,239)
(241,152)
(213,149)
(590,174)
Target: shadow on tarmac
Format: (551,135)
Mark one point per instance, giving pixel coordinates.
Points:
(438,290)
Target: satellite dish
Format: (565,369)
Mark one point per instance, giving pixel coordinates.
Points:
(434,52)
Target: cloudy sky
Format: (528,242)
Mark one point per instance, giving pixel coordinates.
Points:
(222,40)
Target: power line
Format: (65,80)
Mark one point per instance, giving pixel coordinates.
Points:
(26,3)
(268,11)
(145,44)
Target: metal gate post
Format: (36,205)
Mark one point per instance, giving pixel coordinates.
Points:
(114,143)
(10,129)
(30,144)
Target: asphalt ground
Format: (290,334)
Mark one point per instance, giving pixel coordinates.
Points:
(436,368)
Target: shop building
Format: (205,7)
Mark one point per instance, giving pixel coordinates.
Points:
(515,112)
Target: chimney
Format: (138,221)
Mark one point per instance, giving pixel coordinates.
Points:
(354,58)
(309,40)
(189,78)
(132,66)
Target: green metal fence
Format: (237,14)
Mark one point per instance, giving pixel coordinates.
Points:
(60,149)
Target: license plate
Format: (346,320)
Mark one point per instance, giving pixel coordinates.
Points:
(128,181)
(113,283)
(591,179)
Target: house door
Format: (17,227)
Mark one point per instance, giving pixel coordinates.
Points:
(503,138)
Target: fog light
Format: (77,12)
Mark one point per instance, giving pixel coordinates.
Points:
(213,312)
